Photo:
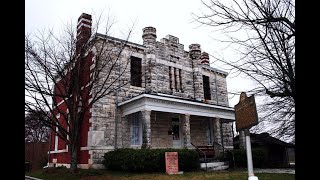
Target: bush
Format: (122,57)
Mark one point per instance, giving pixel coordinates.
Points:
(149,160)
(43,161)
(259,157)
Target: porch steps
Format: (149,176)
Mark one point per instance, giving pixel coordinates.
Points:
(214,166)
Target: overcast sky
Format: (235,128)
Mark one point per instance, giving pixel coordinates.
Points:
(167,16)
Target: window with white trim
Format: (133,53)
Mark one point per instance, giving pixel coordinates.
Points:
(135,129)
(209,132)
(56,134)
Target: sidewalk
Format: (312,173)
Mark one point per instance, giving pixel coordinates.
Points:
(289,171)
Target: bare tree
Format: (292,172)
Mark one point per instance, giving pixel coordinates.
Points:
(35,130)
(267,53)
(59,79)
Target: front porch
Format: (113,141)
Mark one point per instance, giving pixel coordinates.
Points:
(158,121)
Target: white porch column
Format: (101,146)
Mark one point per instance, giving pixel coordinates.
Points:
(146,128)
(186,130)
(217,134)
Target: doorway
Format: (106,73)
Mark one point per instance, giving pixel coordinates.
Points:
(176,133)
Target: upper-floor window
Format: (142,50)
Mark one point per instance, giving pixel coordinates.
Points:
(135,71)
(206,87)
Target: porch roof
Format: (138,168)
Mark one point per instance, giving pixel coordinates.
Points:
(174,105)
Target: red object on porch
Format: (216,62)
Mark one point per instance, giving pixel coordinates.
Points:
(208,150)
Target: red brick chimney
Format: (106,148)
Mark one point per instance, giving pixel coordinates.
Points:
(205,58)
(83,30)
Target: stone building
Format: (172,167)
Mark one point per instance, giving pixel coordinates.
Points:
(172,98)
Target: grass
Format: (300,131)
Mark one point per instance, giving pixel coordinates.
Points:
(94,174)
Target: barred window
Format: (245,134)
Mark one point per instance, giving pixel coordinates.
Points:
(135,71)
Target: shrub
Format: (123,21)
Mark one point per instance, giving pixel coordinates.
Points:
(259,157)
(149,160)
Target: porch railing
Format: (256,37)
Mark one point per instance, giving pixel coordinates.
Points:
(205,156)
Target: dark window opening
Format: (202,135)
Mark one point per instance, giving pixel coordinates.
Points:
(206,87)
(180,77)
(170,78)
(175,79)
(135,71)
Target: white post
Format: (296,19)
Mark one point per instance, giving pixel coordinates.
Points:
(249,157)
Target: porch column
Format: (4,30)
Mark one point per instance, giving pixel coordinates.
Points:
(146,128)
(242,140)
(217,134)
(186,130)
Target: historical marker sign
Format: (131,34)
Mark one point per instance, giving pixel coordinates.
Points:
(172,162)
(245,112)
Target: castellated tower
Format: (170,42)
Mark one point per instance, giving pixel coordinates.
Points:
(195,55)
(149,37)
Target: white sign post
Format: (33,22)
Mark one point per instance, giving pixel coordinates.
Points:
(246,117)
(249,157)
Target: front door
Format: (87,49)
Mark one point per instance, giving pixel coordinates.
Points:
(176,135)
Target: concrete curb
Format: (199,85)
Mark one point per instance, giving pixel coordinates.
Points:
(31,178)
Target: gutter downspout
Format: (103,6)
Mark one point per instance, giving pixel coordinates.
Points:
(117,111)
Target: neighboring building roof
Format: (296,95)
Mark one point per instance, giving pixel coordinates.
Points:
(214,70)
(262,139)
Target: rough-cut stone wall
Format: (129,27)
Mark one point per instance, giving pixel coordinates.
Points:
(227,134)
(156,58)
(198,130)
(160,124)
(170,53)
(222,90)
(102,134)
(218,88)
(125,132)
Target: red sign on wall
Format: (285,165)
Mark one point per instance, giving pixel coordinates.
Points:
(172,162)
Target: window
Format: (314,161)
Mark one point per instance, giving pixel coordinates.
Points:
(180,80)
(175,129)
(175,79)
(135,71)
(56,138)
(209,132)
(170,78)
(206,87)
(135,129)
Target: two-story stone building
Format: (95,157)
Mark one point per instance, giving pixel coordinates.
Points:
(173,99)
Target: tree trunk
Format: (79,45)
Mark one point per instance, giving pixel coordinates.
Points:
(74,158)
(74,150)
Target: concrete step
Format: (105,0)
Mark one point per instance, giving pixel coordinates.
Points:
(214,166)
(219,168)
